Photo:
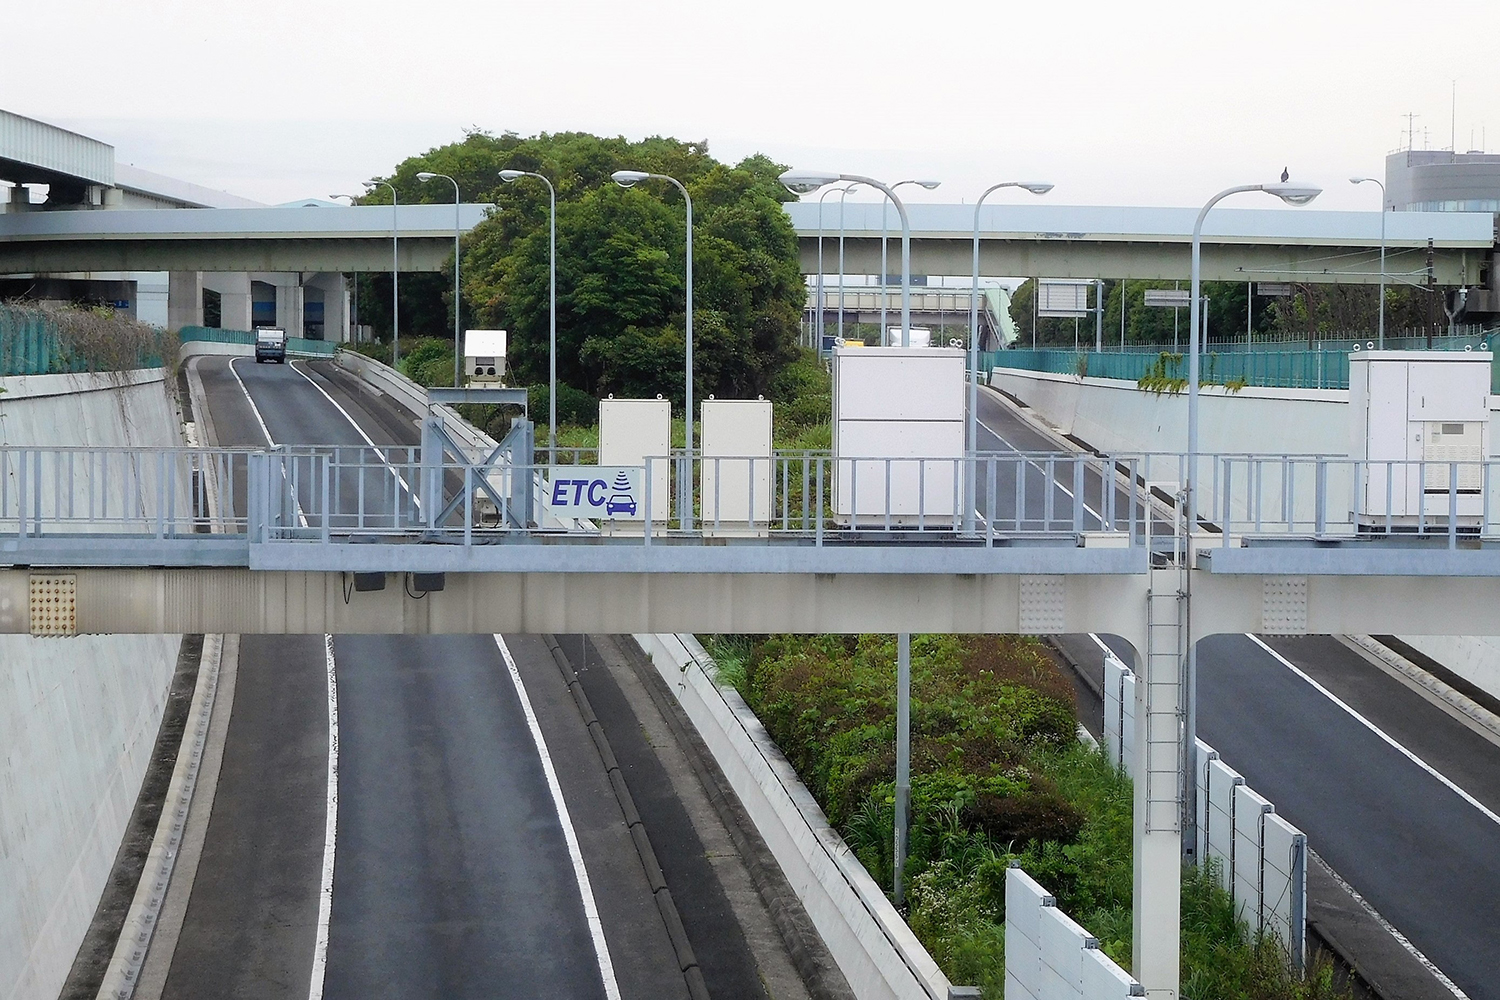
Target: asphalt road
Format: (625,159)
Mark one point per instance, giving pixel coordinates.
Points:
(1426,858)
(453,874)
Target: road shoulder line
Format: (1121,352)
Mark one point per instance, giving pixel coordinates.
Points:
(1463,709)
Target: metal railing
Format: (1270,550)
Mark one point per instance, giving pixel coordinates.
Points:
(342,493)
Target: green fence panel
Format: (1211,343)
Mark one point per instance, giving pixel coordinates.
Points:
(296,345)
(28,344)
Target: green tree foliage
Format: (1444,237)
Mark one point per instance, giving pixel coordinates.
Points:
(620,254)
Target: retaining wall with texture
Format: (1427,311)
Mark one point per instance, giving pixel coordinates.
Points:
(79,716)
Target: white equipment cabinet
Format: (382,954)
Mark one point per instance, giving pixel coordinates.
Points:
(898,434)
(484,357)
(1419,411)
(736,462)
(632,430)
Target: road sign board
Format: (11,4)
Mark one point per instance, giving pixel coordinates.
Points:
(1173,297)
(1273,288)
(1063,298)
(601,492)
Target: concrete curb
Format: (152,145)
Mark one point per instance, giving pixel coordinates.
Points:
(135,936)
(687,961)
(1431,686)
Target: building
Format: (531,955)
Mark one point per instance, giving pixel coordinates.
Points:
(1442,180)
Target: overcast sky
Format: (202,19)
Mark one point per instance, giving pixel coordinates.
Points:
(1147,103)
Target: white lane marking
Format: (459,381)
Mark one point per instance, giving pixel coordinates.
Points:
(1411,949)
(330,831)
(590,910)
(301,517)
(1103,645)
(1451,786)
(1033,462)
(361,431)
(251,400)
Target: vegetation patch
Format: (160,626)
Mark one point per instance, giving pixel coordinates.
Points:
(998,775)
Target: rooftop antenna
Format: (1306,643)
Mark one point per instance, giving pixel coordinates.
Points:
(1453,119)
(1411,130)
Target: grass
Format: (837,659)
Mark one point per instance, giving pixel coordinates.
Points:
(998,775)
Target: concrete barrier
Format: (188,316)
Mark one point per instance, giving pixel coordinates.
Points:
(877,953)
(1048,956)
(79,716)
(1262,859)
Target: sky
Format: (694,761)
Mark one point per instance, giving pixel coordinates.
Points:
(1146,103)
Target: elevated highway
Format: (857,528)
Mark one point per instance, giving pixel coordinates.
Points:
(1086,241)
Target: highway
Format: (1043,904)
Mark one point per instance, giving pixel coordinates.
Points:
(462,838)
(1409,815)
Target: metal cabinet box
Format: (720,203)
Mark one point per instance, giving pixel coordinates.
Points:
(736,462)
(1412,416)
(632,430)
(898,434)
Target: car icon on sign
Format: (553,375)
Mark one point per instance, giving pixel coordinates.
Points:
(620,503)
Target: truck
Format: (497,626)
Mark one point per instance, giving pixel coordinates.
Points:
(270,345)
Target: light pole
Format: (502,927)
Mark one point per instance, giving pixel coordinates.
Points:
(818,324)
(510,177)
(354,323)
(395,270)
(843,193)
(884,269)
(806,182)
(629,179)
(458,347)
(972,435)
(1380,340)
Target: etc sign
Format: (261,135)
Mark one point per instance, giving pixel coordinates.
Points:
(595,491)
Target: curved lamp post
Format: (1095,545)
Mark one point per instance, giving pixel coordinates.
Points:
(818,326)
(510,177)
(1360,180)
(629,179)
(458,347)
(395,271)
(843,193)
(972,436)
(884,227)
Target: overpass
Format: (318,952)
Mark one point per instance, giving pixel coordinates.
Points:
(324,238)
(1072,241)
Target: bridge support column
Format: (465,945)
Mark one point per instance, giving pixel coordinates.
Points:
(234,298)
(1158,804)
(184,299)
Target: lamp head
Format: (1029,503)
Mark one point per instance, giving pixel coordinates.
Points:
(806,181)
(1035,187)
(1360,180)
(927,185)
(1293,194)
(511,176)
(628,178)
(426,175)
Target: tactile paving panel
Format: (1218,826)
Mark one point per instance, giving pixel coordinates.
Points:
(54,604)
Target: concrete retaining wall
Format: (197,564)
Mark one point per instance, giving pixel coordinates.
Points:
(78,717)
(1475,658)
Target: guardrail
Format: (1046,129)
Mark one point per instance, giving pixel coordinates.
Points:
(246,338)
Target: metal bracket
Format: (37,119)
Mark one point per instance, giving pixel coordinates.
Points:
(1043,605)
(54,604)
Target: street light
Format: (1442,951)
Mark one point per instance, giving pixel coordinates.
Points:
(818,328)
(425,176)
(510,177)
(395,270)
(353,330)
(629,179)
(884,268)
(1360,180)
(1292,194)
(808,181)
(843,193)
(1037,188)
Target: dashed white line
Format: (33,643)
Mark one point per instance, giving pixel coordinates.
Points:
(575,854)
(1434,772)
(330,832)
